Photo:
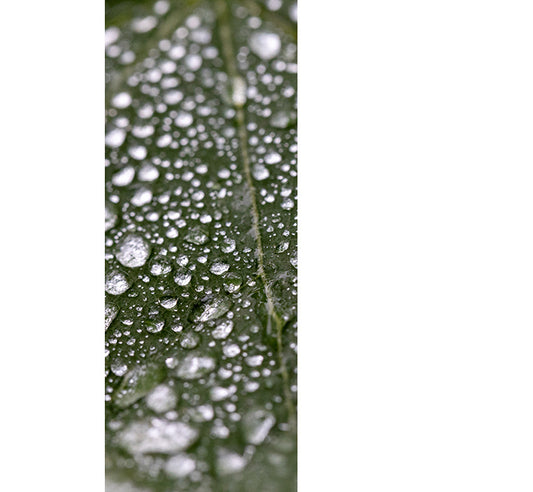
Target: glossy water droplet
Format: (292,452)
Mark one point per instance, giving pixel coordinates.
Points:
(115,138)
(232,282)
(183,120)
(229,462)
(180,466)
(111,312)
(183,278)
(133,251)
(218,268)
(256,426)
(123,177)
(137,383)
(197,236)
(223,329)
(260,172)
(212,308)
(111,216)
(160,266)
(152,326)
(168,302)
(119,367)
(189,340)
(116,283)
(266,45)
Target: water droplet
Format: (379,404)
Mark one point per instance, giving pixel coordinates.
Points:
(141,197)
(161,399)
(231,350)
(260,172)
(202,413)
(218,268)
(133,251)
(111,216)
(229,462)
(111,312)
(194,366)
(152,326)
(118,367)
(183,119)
(223,329)
(183,278)
(160,266)
(266,45)
(212,307)
(138,383)
(189,340)
(256,425)
(197,236)
(287,204)
(254,360)
(115,138)
(180,466)
(232,282)
(228,245)
(168,302)
(272,158)
(123,177)
(116,283)
(121,100)
(238,94)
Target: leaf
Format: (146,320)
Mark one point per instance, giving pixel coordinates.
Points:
(200,245)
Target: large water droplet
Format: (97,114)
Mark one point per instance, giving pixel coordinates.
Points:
(138,382)
(133,251)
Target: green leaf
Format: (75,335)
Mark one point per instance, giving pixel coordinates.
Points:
(200,245)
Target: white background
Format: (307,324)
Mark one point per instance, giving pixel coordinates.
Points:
(416,246)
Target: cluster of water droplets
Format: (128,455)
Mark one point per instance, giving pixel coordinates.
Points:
(194,388)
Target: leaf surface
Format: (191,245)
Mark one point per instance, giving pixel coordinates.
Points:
(200,245)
